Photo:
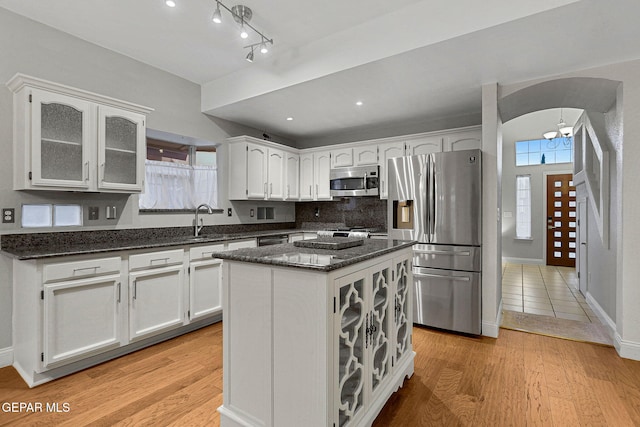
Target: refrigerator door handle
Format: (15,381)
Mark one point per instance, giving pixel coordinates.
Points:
(442,276)
(433,252)
(432,198)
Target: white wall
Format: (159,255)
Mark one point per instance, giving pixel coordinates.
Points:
(34,49)
(528,127)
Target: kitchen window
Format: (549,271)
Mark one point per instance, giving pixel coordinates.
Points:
(543,151)
(179,176)
(523,207)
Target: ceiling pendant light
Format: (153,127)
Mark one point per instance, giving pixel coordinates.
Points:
(250,56)
(563,134)
(217,16)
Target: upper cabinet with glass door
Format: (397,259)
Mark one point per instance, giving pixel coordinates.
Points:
(70,139)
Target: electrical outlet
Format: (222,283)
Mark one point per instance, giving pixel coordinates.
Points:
(251,213)
(8,215)
(229,212)
(94,213)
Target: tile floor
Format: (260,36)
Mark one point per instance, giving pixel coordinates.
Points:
(544,290)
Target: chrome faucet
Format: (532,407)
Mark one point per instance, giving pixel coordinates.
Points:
(200,224)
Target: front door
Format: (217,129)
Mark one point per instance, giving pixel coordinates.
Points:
(561,220)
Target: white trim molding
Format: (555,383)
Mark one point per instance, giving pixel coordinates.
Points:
(6,357)
(602,315)
(626,349)
(491,329)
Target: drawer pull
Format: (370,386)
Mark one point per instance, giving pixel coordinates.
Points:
(164,260)
(204,254)
(95,269)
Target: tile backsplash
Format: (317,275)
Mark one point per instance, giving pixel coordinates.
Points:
(350,211)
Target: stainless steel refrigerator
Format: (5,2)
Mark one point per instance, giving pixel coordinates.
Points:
(436,199)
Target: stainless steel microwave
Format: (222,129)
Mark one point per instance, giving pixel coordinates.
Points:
(355,181)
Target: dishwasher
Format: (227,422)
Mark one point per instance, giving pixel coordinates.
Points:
(273,240)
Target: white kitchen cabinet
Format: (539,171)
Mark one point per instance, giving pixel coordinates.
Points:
(318,348)
(322,169)
(306,176)
(81,310)
(155,293)
(275,174)
(402,309)
(463,140)
(424,144)
(205,282)
(387,150)
(255,165)
(341,157)
(258,170)
(365,155)
(69,139)
(292,176)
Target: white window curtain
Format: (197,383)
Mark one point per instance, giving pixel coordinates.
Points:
(177,186)
(523,207)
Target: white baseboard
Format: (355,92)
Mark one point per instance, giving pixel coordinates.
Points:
(491,329)
(513,260)
(604,317)
(6,357)
(626,349)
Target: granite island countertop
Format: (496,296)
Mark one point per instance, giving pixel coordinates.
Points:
(289,255)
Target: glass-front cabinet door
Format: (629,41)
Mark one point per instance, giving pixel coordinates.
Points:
(379,339)
(351,322)
(61,134)
(403,322)
(121,140)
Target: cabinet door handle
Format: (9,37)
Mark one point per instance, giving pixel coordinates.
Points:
(86,171)
(135,289)
(102,172)
(309,191)
(288,191)
(270,189)
(119,291)
(317,190)
(264,187)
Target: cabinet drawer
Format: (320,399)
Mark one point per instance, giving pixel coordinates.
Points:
(204,252)
(156,259)
(239,244)
(79,269)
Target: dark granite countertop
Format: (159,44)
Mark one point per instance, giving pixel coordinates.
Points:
(65,248)
(288,255)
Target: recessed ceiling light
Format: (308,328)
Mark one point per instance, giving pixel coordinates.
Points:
(170,3)
(359,103)
(289,119)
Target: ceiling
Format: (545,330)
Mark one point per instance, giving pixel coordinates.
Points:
(408,61)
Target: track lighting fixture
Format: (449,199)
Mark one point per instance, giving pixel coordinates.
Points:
(242,15)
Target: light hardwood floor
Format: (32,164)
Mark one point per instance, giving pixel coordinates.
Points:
(519,379)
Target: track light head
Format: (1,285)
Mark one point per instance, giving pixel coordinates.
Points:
(250,56)
(263,48)
(217,16)
(170,3)
(243,32)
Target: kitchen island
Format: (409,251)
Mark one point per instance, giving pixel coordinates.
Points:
(315,337)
